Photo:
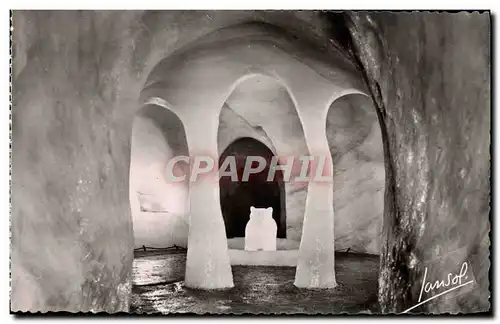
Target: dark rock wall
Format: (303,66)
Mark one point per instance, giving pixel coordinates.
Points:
(430,77)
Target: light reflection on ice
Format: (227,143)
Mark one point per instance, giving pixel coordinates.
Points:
(257,289)
(158,269)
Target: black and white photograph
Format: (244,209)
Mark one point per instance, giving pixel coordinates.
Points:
(251,162)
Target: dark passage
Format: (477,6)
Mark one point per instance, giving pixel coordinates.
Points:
(237,197)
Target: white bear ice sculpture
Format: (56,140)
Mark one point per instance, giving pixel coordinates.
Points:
(261,229)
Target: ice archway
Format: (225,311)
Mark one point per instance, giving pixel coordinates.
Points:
(197,81)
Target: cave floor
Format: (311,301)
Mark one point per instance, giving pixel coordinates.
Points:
(159,288)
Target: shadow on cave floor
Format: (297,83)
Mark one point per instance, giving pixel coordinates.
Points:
(159,287)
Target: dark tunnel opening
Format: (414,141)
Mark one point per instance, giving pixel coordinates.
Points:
(236,197)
